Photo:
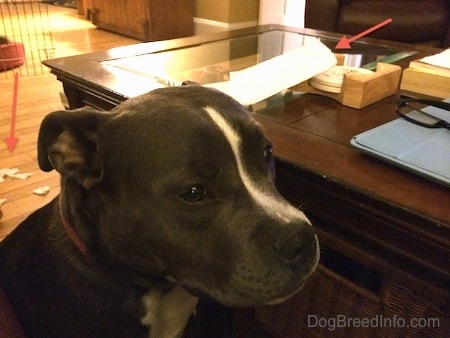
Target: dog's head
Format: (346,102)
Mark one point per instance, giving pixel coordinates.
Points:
(180,183)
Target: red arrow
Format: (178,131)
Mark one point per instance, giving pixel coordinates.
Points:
(344,43)
(11,141)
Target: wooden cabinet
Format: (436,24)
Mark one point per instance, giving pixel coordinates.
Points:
(147,20)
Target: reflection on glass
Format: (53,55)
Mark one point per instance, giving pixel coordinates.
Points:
(213,61)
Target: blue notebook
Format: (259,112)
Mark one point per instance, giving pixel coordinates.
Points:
(417,149)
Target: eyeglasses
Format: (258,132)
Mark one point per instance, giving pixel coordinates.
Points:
(417,116)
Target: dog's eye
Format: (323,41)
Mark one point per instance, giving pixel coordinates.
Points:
(268,154)
(195,193)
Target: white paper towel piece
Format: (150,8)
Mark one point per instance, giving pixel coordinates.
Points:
(44,190)
(256,83)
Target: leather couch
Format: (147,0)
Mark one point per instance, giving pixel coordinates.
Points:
(413,21)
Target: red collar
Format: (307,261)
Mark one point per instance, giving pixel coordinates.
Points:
(76,240)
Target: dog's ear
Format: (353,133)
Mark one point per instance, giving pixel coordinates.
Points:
(68,142)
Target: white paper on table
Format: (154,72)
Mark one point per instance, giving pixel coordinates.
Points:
(439,60)
(256,83)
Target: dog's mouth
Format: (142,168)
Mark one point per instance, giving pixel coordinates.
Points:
(284,298)
(253,284)
(240,298)
(241,293)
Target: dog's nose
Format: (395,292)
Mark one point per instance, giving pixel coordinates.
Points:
(297,245)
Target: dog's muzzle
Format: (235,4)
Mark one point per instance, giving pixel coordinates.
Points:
(297,246)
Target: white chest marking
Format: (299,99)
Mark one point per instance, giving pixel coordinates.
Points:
(168,313)
(276,208)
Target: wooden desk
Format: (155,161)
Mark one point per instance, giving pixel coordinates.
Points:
(379,225)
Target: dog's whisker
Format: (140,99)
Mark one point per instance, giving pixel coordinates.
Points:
(301,207)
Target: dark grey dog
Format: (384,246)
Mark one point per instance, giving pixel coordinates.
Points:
(167,198)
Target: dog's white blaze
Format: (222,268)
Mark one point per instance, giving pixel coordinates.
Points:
(273,206)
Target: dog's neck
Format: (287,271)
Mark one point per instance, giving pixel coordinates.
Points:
(166,312)
(73,235)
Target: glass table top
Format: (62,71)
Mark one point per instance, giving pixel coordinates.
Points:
(213,61)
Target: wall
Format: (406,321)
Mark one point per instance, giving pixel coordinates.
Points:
(227,11)
(283,12)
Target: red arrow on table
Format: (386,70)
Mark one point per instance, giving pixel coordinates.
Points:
(344,43)
(12,141)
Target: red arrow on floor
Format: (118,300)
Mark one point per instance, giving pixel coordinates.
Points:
(12,141)
(344,43)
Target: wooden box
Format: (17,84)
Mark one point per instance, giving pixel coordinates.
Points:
(361,90)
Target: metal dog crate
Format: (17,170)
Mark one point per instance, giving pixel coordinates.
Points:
(25,37)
